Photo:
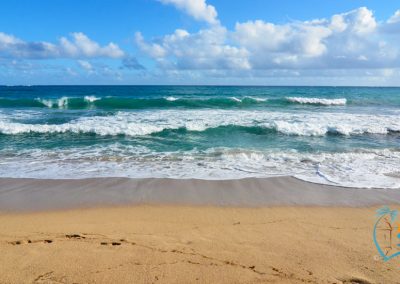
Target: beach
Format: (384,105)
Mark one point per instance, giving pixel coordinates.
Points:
(279,230)
(199,184)
(199,141)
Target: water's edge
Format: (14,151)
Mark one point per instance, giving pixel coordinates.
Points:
(18,195)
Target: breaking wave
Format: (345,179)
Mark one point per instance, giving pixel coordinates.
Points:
(149,122)
(364,168)
(317,101)
(87,102)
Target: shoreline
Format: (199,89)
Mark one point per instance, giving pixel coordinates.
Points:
(26,194)
(120,230)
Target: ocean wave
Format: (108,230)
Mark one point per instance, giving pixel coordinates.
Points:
(111,102)
(171,99)
(91,99)
(149,122)
(50,103)
(89,102)
(363,168)
(317,101)
(235,99)
(256,99)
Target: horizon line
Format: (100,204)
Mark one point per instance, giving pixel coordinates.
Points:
(193,85)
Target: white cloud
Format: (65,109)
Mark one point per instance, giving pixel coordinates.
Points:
(85,65)
(154,50)
(6,39)
(206,49)
(198,9)
(344,41)
(295,39)
(80,46)
(360,21)
(395,18)
(349,40)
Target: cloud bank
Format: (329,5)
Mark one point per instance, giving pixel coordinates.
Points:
(78,46)
(353,44)
(351,40)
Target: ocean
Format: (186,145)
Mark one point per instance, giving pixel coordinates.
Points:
(346,136)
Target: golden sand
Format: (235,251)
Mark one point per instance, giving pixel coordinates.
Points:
(182,244)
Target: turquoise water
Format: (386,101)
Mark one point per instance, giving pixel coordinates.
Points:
(346,136)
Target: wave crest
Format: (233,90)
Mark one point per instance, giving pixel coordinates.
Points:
(51,103)
(317,101)
(148,122)
(91,99)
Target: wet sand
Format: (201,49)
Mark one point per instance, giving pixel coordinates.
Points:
(41,194)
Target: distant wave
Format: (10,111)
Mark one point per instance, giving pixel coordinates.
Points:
(236,99)
(149,122)
(132,103)
(317,101)
(91,99)
(89,102)
(256,99)
(50,103)
(171,99)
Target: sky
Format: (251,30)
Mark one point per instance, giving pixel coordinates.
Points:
(200,42)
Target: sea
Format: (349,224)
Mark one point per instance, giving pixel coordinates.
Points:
(344,136)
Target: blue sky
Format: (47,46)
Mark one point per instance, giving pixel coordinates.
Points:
(200,42)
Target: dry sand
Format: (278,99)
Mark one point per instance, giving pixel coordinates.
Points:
(286,242)
(160,244)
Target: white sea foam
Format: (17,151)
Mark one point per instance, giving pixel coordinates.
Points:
(236,99)
(171,99)
(91,99)
(363,168)
(147,122)
(257,99)
(51,103)
(317,101)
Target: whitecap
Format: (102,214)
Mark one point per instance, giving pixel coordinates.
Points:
(317,101)
(50,103)
(147,122)
(91,99)
(257,99)
(171,99)
(236,99)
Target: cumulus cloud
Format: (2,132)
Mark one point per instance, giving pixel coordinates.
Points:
(205,49)
(86,65)
(395,18)
(198,9)
(350,40)
(347,40)
(78,46)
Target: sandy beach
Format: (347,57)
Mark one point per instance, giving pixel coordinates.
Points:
(168,238)
(199,141)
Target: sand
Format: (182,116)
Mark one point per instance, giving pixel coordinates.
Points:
(42,194)
(282,231)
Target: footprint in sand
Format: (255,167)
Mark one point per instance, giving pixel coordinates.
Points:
(112,243)
(354,280)
(74,236)
(23,242)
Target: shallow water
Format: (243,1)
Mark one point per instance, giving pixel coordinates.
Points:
(334,135)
